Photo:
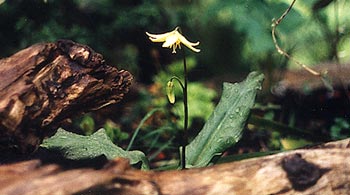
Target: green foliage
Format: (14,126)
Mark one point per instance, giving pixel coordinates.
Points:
(87,124)
(174,69)
(222,130)
(79,147)
(280,129)
(283,136)
(200,97)
(114,132)
(225,125)
(290,143)
(200,102)
(234,34)
(242,29)
(150,124)
(110,27)
(340,129)
(148,115)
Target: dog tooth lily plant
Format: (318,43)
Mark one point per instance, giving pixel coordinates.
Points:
(173,40)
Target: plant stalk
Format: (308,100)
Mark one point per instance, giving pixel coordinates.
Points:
(185,131)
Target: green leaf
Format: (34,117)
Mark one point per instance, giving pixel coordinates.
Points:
(78,147)
(290,143)
(225,125)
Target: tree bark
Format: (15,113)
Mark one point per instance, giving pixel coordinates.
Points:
(48,82)
(324,169)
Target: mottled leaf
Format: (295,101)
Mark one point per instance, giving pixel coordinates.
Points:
(225,125)
(78,147)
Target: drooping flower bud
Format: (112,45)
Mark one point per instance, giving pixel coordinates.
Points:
(170,91)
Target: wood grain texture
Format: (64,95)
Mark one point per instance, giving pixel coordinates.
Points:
(257,176)
(48,82)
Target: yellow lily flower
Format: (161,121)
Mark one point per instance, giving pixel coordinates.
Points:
(173,40)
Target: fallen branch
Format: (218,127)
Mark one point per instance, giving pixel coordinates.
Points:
(320,170)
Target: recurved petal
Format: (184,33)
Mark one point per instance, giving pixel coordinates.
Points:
(195,44)
(189,44)
(158,37)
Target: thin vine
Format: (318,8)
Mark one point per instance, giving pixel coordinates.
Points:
(274,25)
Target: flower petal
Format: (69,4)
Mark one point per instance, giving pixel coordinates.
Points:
(170,40)
(157,37)
(188,43)
(173,40)
(160,37)
(195,44)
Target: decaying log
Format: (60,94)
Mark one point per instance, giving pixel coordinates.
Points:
(314,102)
(302,82)
(324,169)
(48,82)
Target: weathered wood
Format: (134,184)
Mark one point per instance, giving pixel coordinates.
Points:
(313,102)
(320,170)
(48,82)
(301,81)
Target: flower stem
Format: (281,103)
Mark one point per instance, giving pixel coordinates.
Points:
(185,132)
(179,81)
